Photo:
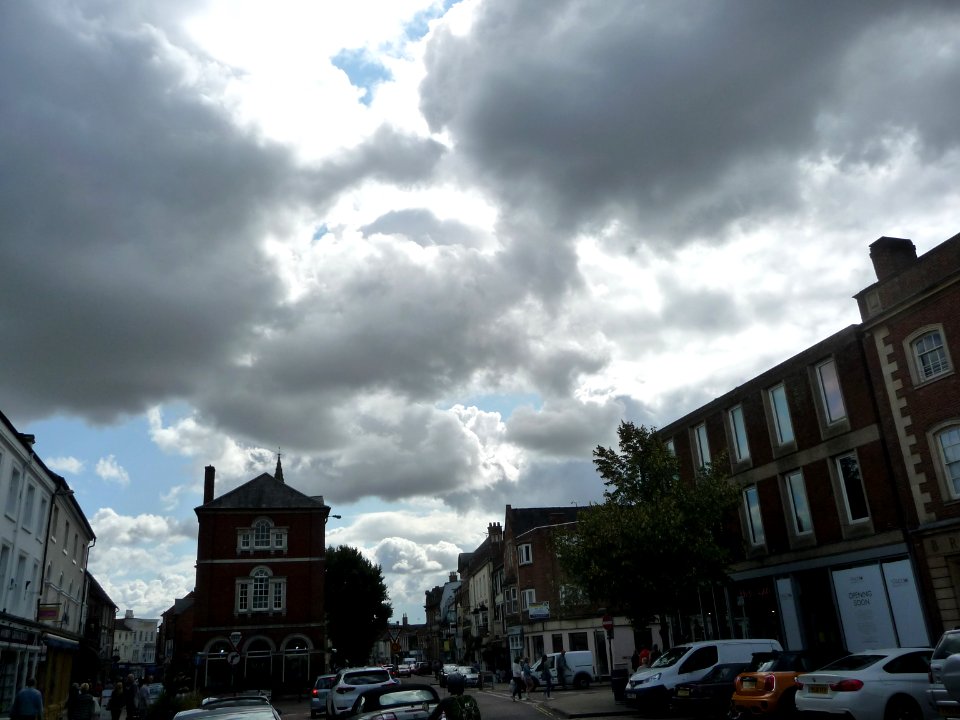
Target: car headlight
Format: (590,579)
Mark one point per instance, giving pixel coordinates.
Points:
(652,678)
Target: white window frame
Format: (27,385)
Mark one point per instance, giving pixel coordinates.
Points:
(260,592)
(799,503)
(13,492)
(738,434)
(668,444)
(527,598)
(831,414)
(937,352)
(27,519)
(949,463)
(780,409)
(751,507)
(512,600)
(525,554)
(702,444)
(262,533)
(844,491)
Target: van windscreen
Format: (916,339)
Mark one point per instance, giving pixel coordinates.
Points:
(670,657)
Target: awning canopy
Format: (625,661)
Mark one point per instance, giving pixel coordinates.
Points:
(58,641)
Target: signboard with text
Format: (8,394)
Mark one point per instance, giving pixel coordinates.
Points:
(864,611)
(539,610)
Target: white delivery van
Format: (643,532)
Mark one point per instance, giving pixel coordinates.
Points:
(581,670)
(652,686)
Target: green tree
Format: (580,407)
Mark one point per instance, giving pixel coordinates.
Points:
(654,537)
(357,605)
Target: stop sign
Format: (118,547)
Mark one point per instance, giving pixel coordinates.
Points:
(607,622)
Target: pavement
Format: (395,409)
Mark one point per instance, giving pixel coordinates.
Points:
(597,701)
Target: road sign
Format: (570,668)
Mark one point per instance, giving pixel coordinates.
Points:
(394,632)
(233,658)
(395,647)
(607,623)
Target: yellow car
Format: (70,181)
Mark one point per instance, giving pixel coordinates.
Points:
(769,687)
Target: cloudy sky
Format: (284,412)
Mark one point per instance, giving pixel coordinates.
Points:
(434,252)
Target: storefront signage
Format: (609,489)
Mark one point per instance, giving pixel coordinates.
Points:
(539,610)
(905,604)
(17,635)
(49,613)
(864,610)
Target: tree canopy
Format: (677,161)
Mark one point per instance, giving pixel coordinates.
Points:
(356,602)
(654,536)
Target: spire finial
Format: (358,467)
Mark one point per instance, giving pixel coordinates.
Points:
(278,473)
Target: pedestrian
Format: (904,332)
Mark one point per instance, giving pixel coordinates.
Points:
(143,696)
(517,679)
(546,676)
(115,703)
(130,696)
(527,675)
(457,705)
(73,696)
(28,704)
(562,668)
(645,656)
(87,706)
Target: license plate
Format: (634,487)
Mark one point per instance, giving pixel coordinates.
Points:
(748,683)
(683,692)
(818,689)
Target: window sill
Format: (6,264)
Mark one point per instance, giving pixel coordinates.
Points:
(931,380)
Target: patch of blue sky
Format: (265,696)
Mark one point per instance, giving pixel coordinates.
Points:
(362,70)
(320,232)
(504,404)
(420,24)
(151,472)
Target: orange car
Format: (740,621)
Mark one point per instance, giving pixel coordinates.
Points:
(770,685)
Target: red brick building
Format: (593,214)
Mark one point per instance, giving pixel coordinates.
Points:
(911,323)
(258,608)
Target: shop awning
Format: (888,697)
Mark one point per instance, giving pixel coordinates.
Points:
(58,641)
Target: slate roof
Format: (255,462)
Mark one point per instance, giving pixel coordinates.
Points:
(525,519)
(264,491)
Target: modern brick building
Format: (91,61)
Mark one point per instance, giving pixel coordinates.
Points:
(258,610)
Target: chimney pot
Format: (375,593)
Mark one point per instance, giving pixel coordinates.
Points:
(209,473)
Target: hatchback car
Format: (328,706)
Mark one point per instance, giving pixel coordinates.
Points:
(351,682)
(708,696)
(318,696)
(411,701)
(890,684)
(769,685)
(447,669)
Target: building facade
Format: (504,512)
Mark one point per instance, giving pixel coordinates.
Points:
(258,612)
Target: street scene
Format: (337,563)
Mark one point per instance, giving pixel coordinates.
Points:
(448,359)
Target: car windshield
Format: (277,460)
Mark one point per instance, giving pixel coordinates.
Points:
(407,697)
(853,662)
(367,677)
(949,645)
(670,657)
(723,673)
(325,683)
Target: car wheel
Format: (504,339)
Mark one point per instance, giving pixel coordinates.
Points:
(903,708)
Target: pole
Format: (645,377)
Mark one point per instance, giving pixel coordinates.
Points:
(610,646)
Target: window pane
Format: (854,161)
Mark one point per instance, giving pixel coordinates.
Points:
(261,534)
(950,453)
(853,488)
(754,520)
(830,391)
(739,431)
(781,415)
(703,447)
(798,502)
(931,358)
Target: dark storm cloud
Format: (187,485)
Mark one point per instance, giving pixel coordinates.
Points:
(133,212)
(681,117)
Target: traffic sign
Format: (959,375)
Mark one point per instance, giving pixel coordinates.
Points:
(607,623)
(233,658)
(395,648)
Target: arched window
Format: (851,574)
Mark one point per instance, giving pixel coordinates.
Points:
(931,356)
(261,534)
(261,588)
(261,591)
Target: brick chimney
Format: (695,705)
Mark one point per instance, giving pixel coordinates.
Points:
(891,255)
(495,532)
(209,473)
(453,576)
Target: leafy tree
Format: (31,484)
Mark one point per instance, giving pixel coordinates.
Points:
(654,537)
(357,604)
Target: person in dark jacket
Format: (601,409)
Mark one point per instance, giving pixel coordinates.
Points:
(86,706)
(28,704)
(116,702)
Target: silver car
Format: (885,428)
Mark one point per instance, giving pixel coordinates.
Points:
(351,682)
(937,694)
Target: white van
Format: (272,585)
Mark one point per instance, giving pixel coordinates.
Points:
(650,687)
(581,670)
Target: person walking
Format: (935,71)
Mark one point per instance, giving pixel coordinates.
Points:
(28,704)
(562,668)
(517,693)
(115,703)
(546,676)
(130,696)
(87,706)
(527,675)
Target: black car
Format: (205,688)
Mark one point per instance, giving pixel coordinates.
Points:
(412,701)
(710,695)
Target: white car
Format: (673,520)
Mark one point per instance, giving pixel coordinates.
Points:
(351,682)
(887,684)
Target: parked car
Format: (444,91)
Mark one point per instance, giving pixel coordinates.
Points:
(423,668)
(889,683)
(939,697)
(351,682)
(445,670)
(403,670)
(411,701)
(769,685)
(708,696)
(318,696)
(651,687)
